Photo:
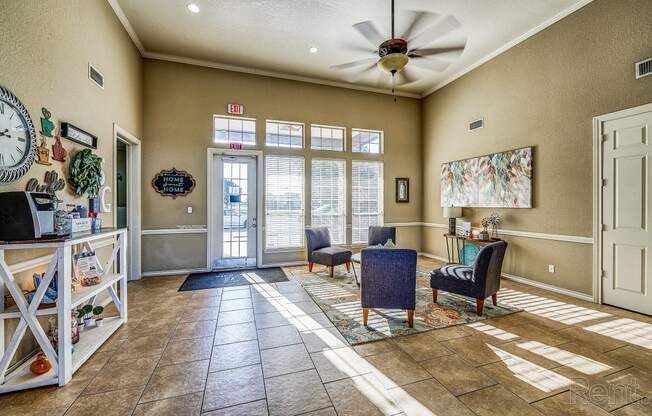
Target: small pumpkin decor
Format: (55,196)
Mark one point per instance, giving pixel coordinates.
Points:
(86,175)
(41,365)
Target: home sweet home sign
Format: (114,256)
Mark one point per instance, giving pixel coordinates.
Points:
(173,183)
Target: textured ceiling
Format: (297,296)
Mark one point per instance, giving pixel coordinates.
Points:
(274,36)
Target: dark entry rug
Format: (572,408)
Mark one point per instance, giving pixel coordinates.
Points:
(244,277)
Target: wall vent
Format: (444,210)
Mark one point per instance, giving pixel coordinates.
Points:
(644,68)
(95,76)
(476,124)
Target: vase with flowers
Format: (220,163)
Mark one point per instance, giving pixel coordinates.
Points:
(493,220)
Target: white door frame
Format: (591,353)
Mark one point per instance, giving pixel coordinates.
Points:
(133,197)
(597,190)
(211,154)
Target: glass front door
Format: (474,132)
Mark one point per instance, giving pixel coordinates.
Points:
(236,212)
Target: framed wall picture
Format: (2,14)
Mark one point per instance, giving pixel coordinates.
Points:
(402,190)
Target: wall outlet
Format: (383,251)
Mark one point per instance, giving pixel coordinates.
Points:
(189,210)
(551,268)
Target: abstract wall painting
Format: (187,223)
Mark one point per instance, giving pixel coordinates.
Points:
(499,180)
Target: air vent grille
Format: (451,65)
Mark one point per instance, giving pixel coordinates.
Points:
(476,124)
(644,68)
(95,76)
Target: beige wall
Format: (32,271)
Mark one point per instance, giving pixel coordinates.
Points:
(46,48)
(179,103)
(542,93)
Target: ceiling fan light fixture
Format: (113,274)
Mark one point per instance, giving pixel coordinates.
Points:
(393,63)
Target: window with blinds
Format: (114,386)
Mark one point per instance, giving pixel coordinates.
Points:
(327,138)
(284,202)
(366,141)
(229,130)
(284,134)
(366,198)
(328,197)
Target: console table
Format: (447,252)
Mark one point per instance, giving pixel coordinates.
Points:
(64,362)
(455,244)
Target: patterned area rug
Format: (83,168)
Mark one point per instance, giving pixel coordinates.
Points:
(339,298)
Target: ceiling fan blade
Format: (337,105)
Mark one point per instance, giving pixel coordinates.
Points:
(433,64)
(436,31)
(355,63)
(453,52)
(419,17)
(361,49)
(406,76)
(370,32)
(353,77)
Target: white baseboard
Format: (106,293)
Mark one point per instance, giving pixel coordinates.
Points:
(546,286)
(173,272)
(285,264)
(529,282)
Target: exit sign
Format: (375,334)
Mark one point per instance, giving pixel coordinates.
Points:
(235,146)
(237,109)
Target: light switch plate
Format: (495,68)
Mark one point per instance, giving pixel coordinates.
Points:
(551,268)
(189,210)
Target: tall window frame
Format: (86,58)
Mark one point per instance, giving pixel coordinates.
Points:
(284,203)
(232,129)
(328,196)
(367,198)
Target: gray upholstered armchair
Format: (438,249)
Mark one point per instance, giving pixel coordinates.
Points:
(320,250)
(380,235)
(479,281)
(388,280)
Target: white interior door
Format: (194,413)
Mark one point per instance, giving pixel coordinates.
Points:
(626,208)
(235,236)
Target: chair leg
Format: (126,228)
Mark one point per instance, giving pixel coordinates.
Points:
(434,295)
(348,267)
(330,271)
(365,316)
(310,264)
(410,318)
(494,298)
(479,306)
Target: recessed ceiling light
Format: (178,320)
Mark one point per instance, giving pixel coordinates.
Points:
(313,50)
(193,8)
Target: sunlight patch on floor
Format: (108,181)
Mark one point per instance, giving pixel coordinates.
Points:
(530,373)
(493,331)
(370,381)
(575,361)
(565,313)
(625,329)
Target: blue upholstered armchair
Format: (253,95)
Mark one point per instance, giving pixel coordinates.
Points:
(321,252)
(388,280)
(479,281)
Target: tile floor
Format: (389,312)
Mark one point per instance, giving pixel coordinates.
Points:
(268,350)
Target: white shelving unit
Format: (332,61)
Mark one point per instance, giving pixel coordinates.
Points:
(64,362)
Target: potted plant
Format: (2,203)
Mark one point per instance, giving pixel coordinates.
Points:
(484,235)
(86,175)
(97,313)
(80,319)
(494,220)
(88,319)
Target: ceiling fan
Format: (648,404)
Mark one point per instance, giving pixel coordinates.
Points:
(392,55)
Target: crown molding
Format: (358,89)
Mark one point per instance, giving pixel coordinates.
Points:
(271,74)
(125,23)
(573,8)
(249,70)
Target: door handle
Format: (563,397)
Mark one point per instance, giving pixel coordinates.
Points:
(254,223)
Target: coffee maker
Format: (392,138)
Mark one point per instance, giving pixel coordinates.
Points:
(26,216)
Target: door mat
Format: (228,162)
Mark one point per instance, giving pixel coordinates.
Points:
(244,277)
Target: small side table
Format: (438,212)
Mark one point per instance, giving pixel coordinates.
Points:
(454,246)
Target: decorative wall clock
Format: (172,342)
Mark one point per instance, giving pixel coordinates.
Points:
(17,138)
